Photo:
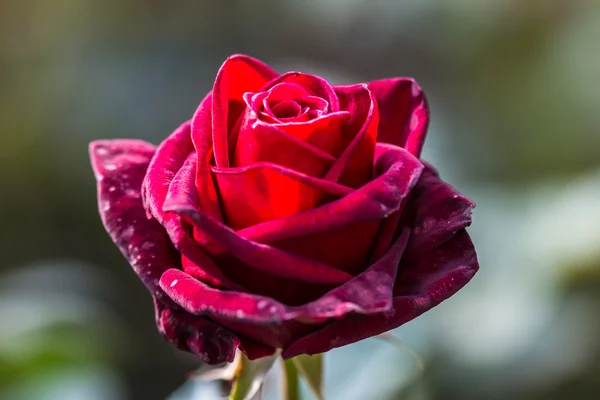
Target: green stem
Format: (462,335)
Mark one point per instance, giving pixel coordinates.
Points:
(291,388)
(311,369)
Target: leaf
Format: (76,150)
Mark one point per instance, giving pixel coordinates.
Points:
(400,344)
(311,369)
(250,376)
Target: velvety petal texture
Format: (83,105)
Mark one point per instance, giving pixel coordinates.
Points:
(288,213)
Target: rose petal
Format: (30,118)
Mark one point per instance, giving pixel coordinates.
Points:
(119,167)
(266,191)
(201,136)
(194,260)
(211,342)
(258,139)
(171,174)
(371,292)
(270,335)
(354,166)
(168,159)
(207,339)
(200,299)
(404,115)
(238,74)
(262,257)
(447,269)
(262,101)
(324,132)
(341,233)
(440,211)
(374,201)
(317,85)
(286,109)
(261,282)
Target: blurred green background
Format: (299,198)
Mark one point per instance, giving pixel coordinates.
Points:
(514,91)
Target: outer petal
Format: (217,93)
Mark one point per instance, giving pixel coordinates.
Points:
(172,169)
(119,167)
(211,342)
(238,74)
(440,211)
(403,111)
(370,292)
(169,158)
(447,270)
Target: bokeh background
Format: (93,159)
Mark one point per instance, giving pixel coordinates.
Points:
(514,91)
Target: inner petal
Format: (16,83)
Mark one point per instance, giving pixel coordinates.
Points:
(314,103)
(286,109)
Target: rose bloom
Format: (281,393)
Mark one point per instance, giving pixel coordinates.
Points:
(288,213)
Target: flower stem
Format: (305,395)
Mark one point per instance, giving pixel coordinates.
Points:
(291,388)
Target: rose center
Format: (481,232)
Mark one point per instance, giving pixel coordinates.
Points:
(286,109)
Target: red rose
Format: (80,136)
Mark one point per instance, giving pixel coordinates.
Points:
(287,213)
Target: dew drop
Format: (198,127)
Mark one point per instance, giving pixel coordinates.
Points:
(101,151)
(262,304)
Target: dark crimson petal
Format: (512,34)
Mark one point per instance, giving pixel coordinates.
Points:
(370,292)
(317,85)
(258,139)
(259,256)
(194,260)
(266,191)
(441,211)
(119,167)
(262,257)
(271,335)
(238,74)
(168,159)
(447,270)
(172,169)
(404,115)
(354,166)
(211,342)
(200,299)
(341,233)
(346,248)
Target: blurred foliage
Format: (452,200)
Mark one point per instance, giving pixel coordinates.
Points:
(514,95)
